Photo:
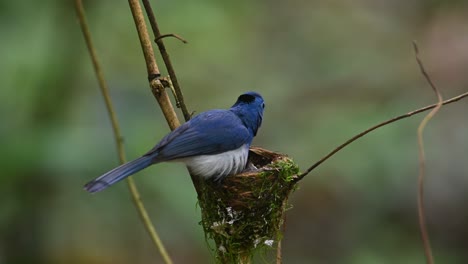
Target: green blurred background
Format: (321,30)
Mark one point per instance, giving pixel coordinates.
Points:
(327,70)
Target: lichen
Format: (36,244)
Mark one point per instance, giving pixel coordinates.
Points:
(244,213)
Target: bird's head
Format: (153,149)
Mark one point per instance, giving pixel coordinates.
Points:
(249,107)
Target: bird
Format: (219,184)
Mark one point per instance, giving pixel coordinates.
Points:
(213,144)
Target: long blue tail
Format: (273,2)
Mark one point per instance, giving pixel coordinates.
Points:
(118,174)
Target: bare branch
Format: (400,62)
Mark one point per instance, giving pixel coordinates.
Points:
(101,80)
(171,35)
(166,58)
(153,72)
(422,160)
(363,133)
(156,86)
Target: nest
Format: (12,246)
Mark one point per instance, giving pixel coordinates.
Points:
(244,212)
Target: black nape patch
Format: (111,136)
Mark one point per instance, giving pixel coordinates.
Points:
(246,98)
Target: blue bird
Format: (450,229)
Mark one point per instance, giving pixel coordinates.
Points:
(213,145)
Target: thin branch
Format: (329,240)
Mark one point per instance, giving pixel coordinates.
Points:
(102,83)
(363,133)
(422,160)
(116,130)
(166,58)
(171,35)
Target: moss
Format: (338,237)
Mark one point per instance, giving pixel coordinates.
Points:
(244,213)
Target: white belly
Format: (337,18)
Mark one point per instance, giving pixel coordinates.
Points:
(219,165)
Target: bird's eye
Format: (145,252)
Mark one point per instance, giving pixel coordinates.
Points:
(263,105)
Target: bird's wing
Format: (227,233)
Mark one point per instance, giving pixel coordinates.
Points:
(209,133)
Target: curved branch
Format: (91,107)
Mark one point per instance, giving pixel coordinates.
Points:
(422,160)
(171,35)
(363,133)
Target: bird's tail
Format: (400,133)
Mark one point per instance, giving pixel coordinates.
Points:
(118,174)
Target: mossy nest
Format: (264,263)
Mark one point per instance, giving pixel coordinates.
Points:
(244,212)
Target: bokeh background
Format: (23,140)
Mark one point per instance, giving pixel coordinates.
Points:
(327,70)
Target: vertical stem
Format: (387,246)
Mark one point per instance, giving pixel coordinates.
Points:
(153,72)
(117,134)
(167,60)
(422,159)
(102,83)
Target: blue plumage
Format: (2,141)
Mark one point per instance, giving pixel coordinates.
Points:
(213,144)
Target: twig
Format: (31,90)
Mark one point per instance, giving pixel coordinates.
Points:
(117,135)
(167,61)
(363,133)
(171,35)
(422,160)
